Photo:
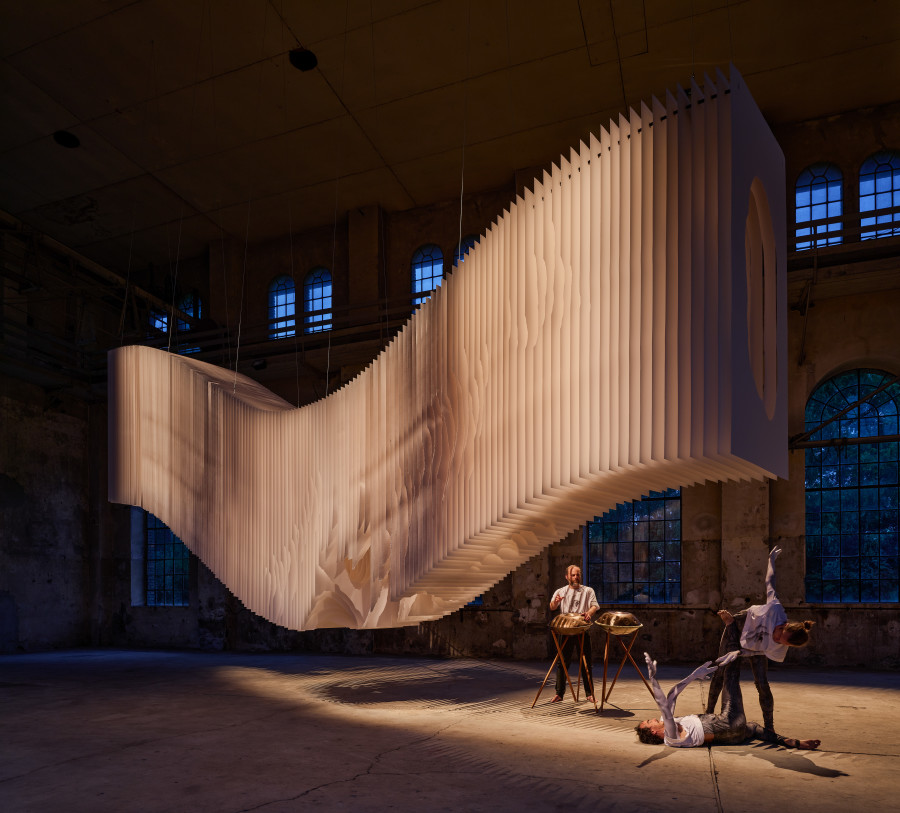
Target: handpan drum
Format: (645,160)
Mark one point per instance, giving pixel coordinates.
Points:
(618,623)
(569,624)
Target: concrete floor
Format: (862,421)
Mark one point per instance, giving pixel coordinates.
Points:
(107,730)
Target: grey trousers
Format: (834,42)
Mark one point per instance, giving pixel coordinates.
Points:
(760,666)
(730,726)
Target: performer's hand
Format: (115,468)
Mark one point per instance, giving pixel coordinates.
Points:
(728,657)
(651,665)
(727,617)
(774,553)
(586,616)
(703,671)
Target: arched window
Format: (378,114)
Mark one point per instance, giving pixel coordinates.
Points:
(852,495)
(159,320)
(634,551)
(191,305)
(317,301)
(462,249)
(282,302)
(879,191)
(427,272)
(818,203)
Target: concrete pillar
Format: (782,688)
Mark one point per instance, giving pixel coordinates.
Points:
(745,543)
(364,263)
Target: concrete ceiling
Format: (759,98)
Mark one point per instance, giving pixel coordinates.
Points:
(192,122)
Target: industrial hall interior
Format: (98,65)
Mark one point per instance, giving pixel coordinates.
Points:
(341,343)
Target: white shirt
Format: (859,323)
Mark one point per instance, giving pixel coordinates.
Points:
(756,639)
(694,736)
(575,599)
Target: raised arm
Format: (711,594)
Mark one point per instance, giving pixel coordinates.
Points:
(700,672)
(770,573)
(666,709)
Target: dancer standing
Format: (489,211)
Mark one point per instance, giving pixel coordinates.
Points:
(767,635)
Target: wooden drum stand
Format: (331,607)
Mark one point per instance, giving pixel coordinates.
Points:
(561,630)
(622,626)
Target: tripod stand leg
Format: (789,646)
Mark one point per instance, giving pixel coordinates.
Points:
(603,693)
(546,677)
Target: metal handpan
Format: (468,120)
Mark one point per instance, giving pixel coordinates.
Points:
(618,623)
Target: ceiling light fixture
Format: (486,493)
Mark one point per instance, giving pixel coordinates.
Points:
(303,59)
(66,139)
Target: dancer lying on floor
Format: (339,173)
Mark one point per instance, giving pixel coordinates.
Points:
(767,635)
(729,727)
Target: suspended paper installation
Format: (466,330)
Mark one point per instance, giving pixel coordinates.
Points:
(620,329)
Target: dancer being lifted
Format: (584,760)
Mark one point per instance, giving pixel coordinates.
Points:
(767,635)
(729,727)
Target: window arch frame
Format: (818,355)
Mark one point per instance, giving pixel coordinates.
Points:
(874,176)
(427,256)
(281,296)
(815,179)
(317,320)
(851,489)
(463,248)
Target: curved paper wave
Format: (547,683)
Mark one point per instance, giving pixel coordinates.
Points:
(619,329)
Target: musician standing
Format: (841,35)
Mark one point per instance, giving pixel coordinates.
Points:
(575,598)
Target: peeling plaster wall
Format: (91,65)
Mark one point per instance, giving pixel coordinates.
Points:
(44,516)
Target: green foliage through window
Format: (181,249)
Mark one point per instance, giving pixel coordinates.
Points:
(852,492)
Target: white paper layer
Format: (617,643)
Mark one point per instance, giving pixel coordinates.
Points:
(620,329)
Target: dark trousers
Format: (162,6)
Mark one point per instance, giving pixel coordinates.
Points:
(760,666)
(570,646)
(730,726)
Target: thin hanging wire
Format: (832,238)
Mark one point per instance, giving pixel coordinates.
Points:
(730,34)
(296,302)
(290,158)
(692,40)
(174,326)
(237,352)
(127,281)
(337,182)
(465,118)
(384,280)
(170,317)
(612,17)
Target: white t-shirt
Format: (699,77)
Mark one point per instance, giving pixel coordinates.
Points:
(756,639)
(694,736)
(575,599)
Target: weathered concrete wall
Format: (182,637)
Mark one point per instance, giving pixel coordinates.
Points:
(65,558)
(44,516)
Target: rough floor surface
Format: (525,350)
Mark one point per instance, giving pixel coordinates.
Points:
(107,730)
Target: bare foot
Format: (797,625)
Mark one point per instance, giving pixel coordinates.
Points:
(556,699)
(803,745)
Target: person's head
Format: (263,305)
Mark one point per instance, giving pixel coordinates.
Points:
(651,732)
(796,633)
(573,575)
